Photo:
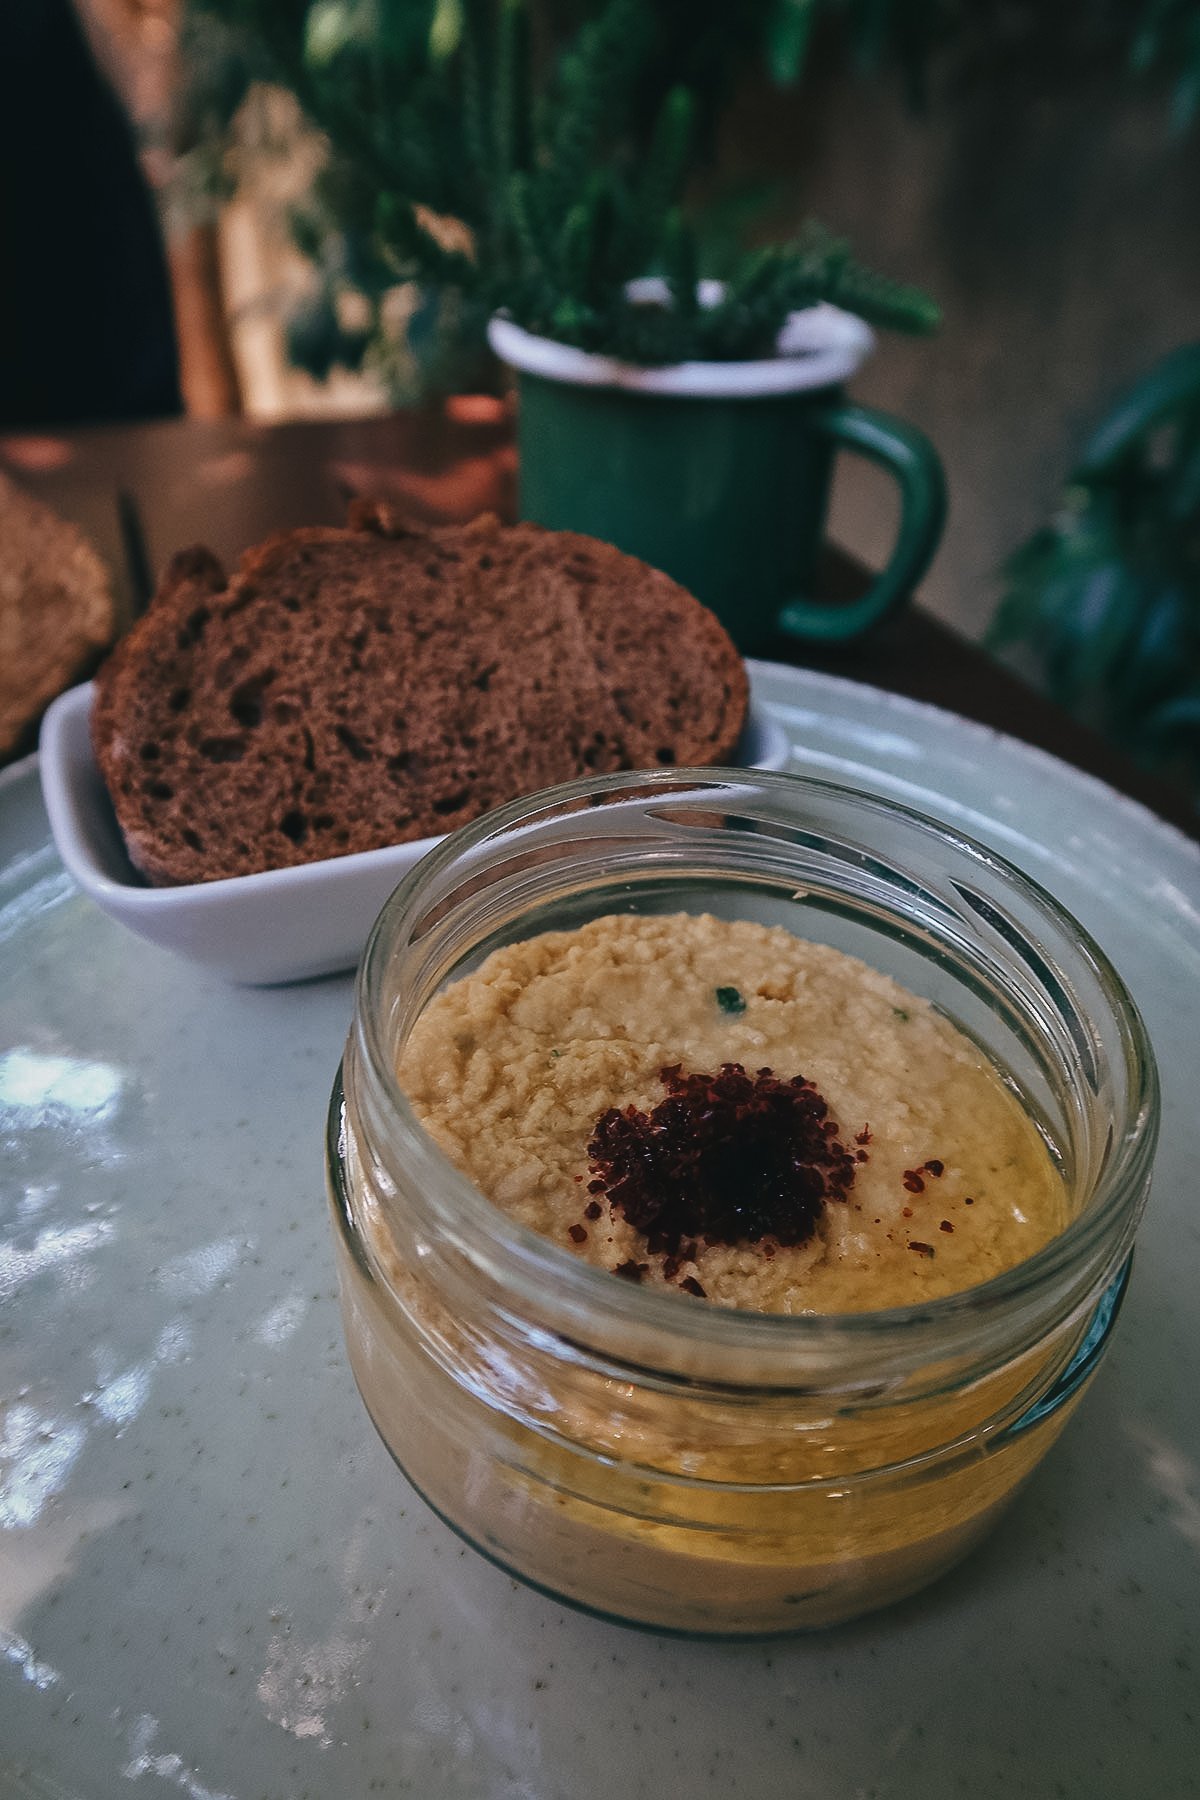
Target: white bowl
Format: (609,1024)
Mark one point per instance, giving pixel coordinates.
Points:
(281,925)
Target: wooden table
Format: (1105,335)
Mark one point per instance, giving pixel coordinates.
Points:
(228,483)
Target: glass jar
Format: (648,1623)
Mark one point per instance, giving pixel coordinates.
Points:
(683,1465)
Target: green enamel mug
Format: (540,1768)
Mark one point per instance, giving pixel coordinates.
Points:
(720,473)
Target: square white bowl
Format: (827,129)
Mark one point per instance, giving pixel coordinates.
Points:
(280,925)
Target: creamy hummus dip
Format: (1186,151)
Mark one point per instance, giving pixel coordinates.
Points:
(511,1068)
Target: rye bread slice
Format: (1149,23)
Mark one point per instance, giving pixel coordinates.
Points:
(350,688)
(57,612)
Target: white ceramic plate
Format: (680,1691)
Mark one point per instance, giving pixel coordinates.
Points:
(214,1583)
(282,925)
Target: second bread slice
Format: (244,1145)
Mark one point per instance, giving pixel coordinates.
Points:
(353,688)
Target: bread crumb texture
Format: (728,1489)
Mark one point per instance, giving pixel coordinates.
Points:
(350,688)
(57,611)
(510,1067)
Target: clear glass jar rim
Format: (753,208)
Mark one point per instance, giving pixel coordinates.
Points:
(530,1265)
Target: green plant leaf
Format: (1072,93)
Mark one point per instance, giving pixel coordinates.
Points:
(333,26)
(1105,599)
(513,106)
(532,251)
(1167,641)
(788,33)
(595,87)
(680,268)
(1178,718)
(585,246)
(445,29)
(664,175)
(478,127)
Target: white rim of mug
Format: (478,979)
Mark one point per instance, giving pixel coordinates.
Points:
(816,348)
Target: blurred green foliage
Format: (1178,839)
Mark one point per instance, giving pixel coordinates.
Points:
(565,137)
(1138,41)
(1102,606)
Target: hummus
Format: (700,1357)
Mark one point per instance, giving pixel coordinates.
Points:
(511,1067)
(682,1499)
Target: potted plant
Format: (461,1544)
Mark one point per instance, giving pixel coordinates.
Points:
(550,199)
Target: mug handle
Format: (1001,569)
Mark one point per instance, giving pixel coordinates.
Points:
(907,454)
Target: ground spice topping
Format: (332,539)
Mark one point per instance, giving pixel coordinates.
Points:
(725,1159)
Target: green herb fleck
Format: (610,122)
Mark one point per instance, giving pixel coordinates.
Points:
(901,1014)
(554,1055)
(730,1001)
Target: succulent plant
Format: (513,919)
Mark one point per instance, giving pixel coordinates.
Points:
(499,174)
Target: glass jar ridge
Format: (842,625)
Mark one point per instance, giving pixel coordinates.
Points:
(690,1466)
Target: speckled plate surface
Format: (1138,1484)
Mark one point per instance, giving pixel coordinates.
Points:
(214,1583)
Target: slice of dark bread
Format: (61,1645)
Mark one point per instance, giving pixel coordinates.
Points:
(57,612)
(353,688)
